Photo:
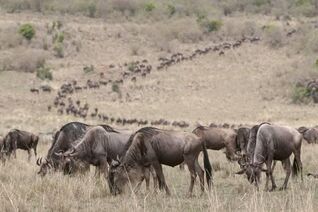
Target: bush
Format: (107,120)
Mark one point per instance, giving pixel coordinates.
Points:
(88,69)
(274,36)
(115,88)
(149,7)
(58,50)
(27,31)
(300,94)
(91,10)
(44,72)
(213,25)
(58,37)
(171,10)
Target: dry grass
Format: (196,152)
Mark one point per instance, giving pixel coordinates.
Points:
(249,84)
(23,190)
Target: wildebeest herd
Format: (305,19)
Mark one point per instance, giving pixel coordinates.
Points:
(128,158)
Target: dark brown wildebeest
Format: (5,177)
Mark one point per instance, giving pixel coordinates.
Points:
(219,138)
(18,139)
(309,134)
(2,152)
(271,143)
(99,147)
(242,136)
(153,147)
(63,140)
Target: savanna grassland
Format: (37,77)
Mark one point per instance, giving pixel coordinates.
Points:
(82,40)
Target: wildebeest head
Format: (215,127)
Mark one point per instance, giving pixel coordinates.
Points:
(242,139)
(117,177)
(131,168)
(45,166)
(252,174)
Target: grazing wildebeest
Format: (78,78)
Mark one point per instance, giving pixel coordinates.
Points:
(273,142)
(309,134)
(153,147)
(219,138)
(99,147)
(63,140)
(18,139)
(242,136)
(2,152)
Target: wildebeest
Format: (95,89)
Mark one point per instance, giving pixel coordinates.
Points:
(99,147)
(18,139)
(219,138)
(273,142)
(242,136)
(153,147)
(309,134)
(2,152)
(63,140)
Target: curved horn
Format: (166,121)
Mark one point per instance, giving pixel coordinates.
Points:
(242,171)
(58,154)
(73,152)
(38,162)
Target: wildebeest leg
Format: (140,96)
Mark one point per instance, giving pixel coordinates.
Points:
(269,173)
(287,166)
(29,154)
(181,166)
(154,178)
(161,178)
(104,168)
(200,172)
(14,148)
(190,161)
(97,172)
(146,177)
(298,164)
(34,149)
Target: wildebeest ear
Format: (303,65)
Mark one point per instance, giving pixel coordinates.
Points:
(242,171)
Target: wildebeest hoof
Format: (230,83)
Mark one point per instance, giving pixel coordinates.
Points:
(282,188)
(272,189)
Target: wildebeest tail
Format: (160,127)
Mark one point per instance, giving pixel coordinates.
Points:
(295,167)
(207,165)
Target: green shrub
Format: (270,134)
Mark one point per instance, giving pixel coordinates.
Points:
(115,88)
(44,72)
(91,10)
(131,66)
(171,10)
(149,6)
(58,50)
(88,69)
(27,31)
(214,25)
(58,37)
(300,94)
(316,63)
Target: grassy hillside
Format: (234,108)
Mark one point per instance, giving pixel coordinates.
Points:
(250,83)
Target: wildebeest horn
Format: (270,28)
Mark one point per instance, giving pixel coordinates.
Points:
(72,153)
(117,158)
(38,162)
(242,171)
(58,154)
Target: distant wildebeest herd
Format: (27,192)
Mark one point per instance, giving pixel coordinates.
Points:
(125,157)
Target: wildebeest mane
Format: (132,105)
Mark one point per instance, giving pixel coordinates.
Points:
(146,131)
(200,127)
(75,122)
(108,128)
